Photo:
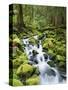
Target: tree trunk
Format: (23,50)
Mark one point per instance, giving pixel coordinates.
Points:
(21,24)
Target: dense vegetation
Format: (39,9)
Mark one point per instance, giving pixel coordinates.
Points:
(30,20)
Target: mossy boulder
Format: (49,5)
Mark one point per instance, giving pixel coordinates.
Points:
(58,43)
(48,43)
(23,57)
(33,81)
(25,69)
(51,53)
(45,45)
(15,82)
(19,58)
(60,58)
(61,50)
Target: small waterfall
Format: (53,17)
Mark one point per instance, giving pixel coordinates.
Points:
(48,74)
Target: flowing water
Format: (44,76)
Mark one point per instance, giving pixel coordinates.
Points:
(48,74)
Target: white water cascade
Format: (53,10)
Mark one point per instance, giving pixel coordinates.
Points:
(48,74)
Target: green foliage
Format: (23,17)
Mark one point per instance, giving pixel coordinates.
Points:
(16,40)
(15,82)
(17,63)
(16,52)
(61,50)
(60,58)
(14,19)
(50,52)
(48,43)
(32,40)
(13,74)
(23,57)
(20,60)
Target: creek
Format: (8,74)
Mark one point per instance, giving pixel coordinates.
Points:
(39,59)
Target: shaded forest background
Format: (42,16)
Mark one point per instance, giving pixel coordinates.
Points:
(30,20)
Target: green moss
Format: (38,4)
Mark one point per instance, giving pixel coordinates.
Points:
(48,42)
(16,40)
(15,82)
(58,43)
(13,75)
(51,53)
(25,70)
(60,58)
(32,40)
(23,57)
(14,19)
(20,59)
(16,52)
(14,36)
(37,71)
(45,45)
(17,62)
(33,81)
(61,50)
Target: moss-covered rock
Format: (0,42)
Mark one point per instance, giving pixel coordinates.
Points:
(45,45)
(48,43)
(37,71)
(23,57)
(61,50)
(60,58)
(51,53)
(58,43)
(25,70)
(33,81)
(15,82)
